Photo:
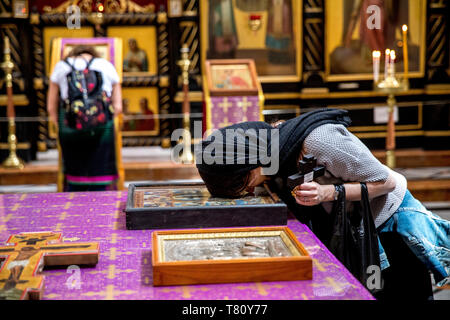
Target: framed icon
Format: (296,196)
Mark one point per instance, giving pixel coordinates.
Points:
(182,257)
(231,77)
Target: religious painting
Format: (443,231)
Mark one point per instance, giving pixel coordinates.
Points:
(190,205)
(231,77)
(174,8)
(50,34)
(190,196)
(268,31)
(107,48)
(20,8)
(228,255)
(139,49)
(140,109)
(356,28)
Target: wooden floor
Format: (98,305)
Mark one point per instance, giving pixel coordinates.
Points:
(427,171)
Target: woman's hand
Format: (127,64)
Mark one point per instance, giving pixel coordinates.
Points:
(312,193)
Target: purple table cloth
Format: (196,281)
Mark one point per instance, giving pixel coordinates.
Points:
(124,270)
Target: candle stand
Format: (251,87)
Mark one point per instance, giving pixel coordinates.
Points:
(13,161)
(184,63)
(391,86)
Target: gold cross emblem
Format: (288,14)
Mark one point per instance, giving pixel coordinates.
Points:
(244,104)
(225,105)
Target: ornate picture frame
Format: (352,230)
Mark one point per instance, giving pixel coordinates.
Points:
(349,42)
(231,77)
(139,50)
(184,257)
(140,109)
(162,205)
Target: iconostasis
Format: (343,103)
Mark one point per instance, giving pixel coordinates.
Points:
(307,54)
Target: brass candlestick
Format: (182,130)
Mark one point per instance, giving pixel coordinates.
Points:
(187,157)
(13,161)
(391,85)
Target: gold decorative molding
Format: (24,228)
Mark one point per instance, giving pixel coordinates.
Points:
(20,145)
(84,5)
(34,18)
(162,18)
(164,81)
(115,6)
(194,96)
(38,83)
(165,143)
(110,6)
(437,89)
(134,7)
(372,135)
(18,99)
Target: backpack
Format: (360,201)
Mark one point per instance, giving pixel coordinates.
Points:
(87,105)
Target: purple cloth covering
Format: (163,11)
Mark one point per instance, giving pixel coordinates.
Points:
(234,110)
(124,270)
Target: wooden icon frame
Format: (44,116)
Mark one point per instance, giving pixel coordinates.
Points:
(298,266)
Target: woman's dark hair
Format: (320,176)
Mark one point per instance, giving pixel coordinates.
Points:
(80,49)
(231,186)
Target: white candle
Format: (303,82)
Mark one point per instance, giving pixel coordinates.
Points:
(405,51)
(386,63)
(376,65)
(392,63)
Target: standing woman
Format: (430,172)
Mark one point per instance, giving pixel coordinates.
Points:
(84,95)
(413,241)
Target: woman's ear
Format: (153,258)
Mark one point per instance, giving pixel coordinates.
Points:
(277,123)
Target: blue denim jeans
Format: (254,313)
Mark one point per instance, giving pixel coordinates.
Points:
(427,235)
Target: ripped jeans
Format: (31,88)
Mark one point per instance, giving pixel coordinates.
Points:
(427,235)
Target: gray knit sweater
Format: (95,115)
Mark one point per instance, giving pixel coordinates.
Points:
(347,159)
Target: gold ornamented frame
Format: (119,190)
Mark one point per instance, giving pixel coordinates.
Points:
(334,29)
(296,265)
(134,95)
(297,14)
(220,71)
(108,48)
(145,37)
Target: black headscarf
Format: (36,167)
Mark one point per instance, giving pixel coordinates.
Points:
(292,133)
(228,180)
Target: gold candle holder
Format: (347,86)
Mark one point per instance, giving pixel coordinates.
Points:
(391,85)
(13,161)
(184,63)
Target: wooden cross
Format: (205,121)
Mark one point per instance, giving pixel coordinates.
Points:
(225,105)
(308,171)
(244,104)
(26,254)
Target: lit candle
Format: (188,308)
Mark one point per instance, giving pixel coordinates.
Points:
(386,63)
(405,51)
(376,65)
(10,112)
(392,64)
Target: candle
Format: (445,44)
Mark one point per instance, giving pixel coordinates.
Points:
(392,64)
(386,63)
(376,65)
(8,65)
(405,51)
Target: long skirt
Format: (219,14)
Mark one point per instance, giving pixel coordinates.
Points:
(88,157)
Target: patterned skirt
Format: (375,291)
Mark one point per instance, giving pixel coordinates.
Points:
(88,157)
